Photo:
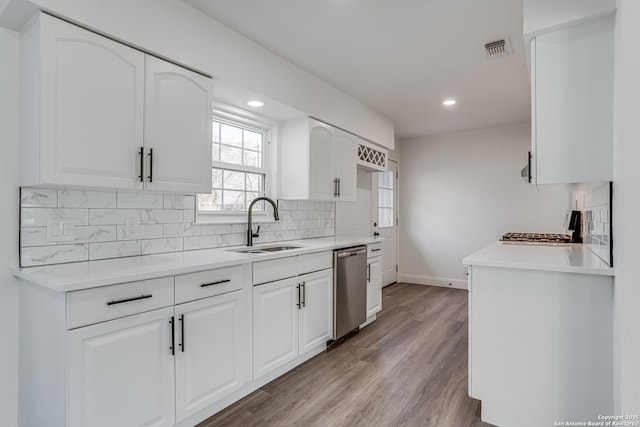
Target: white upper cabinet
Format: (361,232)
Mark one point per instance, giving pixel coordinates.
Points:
(572,104)
(177,128)
(82,107)
(90,116)
(319,162)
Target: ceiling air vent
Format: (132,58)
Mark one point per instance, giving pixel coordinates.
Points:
(498,48)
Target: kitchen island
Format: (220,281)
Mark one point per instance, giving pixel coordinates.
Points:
(540,333)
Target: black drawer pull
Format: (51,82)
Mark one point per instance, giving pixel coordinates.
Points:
(120,301)
(376,250)
(204,285)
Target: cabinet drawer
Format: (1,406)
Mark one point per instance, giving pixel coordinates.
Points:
(190,287)
(374,250)
(315,262)
(275,269)
(111,302)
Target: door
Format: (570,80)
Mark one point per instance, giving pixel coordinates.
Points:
(345,158)
(374,286)
(275,325)
(177,132)
(92,103)
(385,217)
(316,311)
(321,186)
(121,372)
(213,350)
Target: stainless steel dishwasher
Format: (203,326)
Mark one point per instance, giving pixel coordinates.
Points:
(349,290)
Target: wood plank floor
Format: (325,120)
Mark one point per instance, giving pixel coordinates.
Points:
(409,368)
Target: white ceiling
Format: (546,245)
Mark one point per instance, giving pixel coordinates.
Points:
(401,57)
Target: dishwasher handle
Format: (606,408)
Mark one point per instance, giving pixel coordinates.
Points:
(346,254)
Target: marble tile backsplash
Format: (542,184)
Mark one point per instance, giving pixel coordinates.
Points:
(593,200)
(163,223)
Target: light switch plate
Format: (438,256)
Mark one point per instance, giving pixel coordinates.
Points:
(59,230)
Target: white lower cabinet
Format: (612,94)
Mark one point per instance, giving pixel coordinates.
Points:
(275,325)
(121,372)
(171,350)
(213,350)
(374,286)
(316,314)
(291,317)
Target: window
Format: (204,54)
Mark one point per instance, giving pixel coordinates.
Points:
(240,172)
(385,199)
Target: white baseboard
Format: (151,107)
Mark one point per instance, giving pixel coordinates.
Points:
(433,281)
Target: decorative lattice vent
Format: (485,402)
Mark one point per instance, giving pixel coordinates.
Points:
(372,156)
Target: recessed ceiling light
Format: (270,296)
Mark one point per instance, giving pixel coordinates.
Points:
(449,102)
(255,103)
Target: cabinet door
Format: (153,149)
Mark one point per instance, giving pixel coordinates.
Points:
(121,372)
(275,325)
(91,121)
(374,286)
(316,313)
(177,128)
(345,163)
(213,350)
(573,104)
(321,177)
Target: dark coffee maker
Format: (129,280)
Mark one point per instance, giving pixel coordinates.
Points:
(575,225)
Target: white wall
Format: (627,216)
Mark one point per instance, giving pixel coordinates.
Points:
(175,30)
(460,192)
(544,14)
(8,226)
(626,208)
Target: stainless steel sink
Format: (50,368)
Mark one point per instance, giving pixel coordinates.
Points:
(265,249)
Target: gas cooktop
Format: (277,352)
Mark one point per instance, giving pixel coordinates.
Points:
(536,237)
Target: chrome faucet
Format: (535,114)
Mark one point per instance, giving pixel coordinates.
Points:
(250,233)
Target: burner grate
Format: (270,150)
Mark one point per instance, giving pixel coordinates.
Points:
(536,237)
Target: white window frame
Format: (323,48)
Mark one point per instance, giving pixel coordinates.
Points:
(237,117)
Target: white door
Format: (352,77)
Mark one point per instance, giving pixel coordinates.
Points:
(385,219)
(374,286)
(275,325)
(345,163)
(91,109)
(121,372)
(177,132)
(316,311)
(321,185)
(213,350)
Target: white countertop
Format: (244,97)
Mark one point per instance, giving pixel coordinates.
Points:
(91,274)
(568,258)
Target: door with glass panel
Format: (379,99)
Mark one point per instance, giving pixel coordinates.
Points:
(385,219)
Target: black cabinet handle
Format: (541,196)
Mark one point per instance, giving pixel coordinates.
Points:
(150,165)
(141,176)
(529,167)
(376,250)
(304,294)
(173,337)
(368,272)
(129,299)
(298,304)
(182,332)
(338,187)
(204,285)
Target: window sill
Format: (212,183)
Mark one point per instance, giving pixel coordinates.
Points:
(204,218)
